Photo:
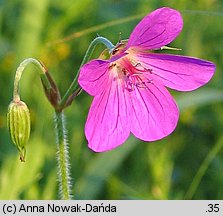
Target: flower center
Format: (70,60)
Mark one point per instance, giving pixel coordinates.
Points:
(131,74)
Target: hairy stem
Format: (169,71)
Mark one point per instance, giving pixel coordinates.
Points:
(62,157)
(62,144)
(86,58)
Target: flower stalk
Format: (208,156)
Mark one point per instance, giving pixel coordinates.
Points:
(61,139)
(67,98)
(19,73)
(53,96)
(18,116)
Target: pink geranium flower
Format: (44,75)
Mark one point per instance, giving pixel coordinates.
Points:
(129,89)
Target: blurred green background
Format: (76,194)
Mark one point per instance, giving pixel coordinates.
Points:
(187,164)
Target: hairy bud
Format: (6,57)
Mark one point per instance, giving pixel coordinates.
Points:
(18,121)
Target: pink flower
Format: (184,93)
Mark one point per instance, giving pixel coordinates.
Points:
(129,89)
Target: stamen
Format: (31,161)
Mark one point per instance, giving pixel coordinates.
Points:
(137,74)
(148,70)
(112,65)
(137,64)
(132,74)
(124,71)
(114,51)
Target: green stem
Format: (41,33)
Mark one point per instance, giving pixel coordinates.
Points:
(19,72)
(200,173)
(86,58)
(62,144)
(61,140)
(62,157)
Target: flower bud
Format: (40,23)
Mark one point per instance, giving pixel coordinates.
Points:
(18,121)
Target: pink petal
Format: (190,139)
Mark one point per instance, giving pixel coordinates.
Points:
(157,29)
(178,72)
(107,124)
(154,113)
(93,76)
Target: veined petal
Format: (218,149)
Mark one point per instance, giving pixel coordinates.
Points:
(157,29)
(154,113)
(178,72)
(107,124)
(93,76)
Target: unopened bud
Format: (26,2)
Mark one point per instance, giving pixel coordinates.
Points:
(18,121)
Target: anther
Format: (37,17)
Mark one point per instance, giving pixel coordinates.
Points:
(114,51)
(148,70)
(137,64)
